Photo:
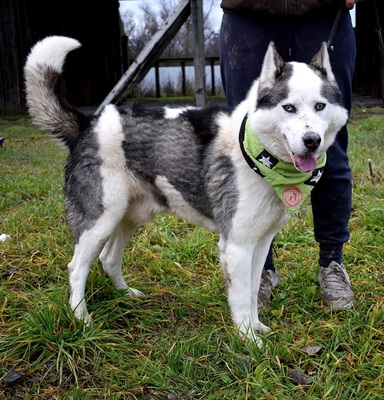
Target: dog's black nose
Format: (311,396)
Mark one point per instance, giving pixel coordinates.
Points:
(312,141)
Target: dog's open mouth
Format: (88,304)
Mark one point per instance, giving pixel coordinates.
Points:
(305,162)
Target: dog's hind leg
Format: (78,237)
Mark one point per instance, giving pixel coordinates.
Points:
(87,249)
(112,256)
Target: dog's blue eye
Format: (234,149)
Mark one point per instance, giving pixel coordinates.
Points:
(319,106)
(289,108)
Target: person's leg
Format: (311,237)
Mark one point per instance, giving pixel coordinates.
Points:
(243,44)
(331,197)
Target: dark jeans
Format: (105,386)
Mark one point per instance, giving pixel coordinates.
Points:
(243,43)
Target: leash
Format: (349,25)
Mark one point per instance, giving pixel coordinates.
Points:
(334,28)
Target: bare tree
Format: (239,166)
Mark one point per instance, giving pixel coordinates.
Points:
(140,33)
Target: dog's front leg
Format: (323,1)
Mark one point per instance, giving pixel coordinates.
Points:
(260,253)
(236,261)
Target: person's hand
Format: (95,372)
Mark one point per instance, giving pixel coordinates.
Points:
(350,4)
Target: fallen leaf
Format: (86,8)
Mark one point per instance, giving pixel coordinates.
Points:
(12,375)
(298,377)
(313,350)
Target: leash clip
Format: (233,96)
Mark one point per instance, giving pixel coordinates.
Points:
(335,25)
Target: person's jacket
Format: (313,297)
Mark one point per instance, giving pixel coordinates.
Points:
(280,7)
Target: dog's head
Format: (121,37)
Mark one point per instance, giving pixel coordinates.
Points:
(295,108)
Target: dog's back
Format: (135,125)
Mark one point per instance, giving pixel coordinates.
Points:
(164,149)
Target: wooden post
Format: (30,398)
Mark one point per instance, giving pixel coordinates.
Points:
(183,79)
(199,59)
(157,79)
(213,85)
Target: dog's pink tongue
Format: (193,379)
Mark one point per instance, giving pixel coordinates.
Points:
(305,163)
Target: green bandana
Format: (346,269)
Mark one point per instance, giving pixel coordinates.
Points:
(291,185)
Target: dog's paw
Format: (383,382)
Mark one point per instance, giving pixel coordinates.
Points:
(251,333)
(260,327)
(131,292)
(81,312)
(87,320)
(252,337)
(83,316)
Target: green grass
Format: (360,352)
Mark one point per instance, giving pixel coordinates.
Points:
(178,342)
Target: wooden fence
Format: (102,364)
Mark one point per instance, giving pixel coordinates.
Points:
(184,62)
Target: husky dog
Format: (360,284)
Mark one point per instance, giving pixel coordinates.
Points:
(209,166)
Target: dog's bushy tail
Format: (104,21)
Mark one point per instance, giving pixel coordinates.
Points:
(46,103)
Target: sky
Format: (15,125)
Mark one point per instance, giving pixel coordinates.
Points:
(134,6)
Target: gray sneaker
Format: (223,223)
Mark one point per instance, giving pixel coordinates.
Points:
(336,286)
(269,280)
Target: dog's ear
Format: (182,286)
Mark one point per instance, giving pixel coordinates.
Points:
(272,66)
(322,63)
